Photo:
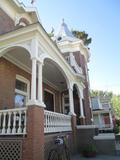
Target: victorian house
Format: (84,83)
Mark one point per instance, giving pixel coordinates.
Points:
(102,114)
(44,84)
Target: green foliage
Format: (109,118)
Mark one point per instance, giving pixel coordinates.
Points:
(116,129)
(51,34)
(102,94)
(90,148)
(116,104)
(83,36)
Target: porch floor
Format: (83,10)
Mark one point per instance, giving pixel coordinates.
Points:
(98,157)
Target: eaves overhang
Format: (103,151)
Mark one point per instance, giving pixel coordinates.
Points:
(100,111)
(32,31)
(67,46)
(23,8)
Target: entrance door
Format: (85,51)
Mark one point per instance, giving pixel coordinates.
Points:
(49,100)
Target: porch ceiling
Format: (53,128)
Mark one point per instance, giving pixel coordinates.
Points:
(19,57)
(52,73)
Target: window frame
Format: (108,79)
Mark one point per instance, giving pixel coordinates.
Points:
(49,91)
(24,93)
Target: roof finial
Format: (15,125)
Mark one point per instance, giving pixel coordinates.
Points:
(32,1)
(62,20)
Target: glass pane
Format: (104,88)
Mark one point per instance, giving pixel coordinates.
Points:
(20,100)
(21,85)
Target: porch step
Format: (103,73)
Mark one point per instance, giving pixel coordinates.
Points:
(117,145)
(104,136)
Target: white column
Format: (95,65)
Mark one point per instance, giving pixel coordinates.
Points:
(40,90)
(100,121)
(33,81)
(71,102)
(111,121)
(81,108)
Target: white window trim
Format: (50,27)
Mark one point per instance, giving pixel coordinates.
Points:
(49,91)
(63,100)
(23,79)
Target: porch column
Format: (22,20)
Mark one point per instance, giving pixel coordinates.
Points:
(100,122)
(111,121)
(81,108)
(71,102)
(82,117)
(33,80)
(40,89)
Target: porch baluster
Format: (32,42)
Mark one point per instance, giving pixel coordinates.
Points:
(4,123)
(45,116)
(14,123)
(56,122)
(0,122)
(19,123)
(9,122)
(24,125)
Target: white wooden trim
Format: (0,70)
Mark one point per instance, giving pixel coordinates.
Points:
(17,63)
(104,136)
(63,102)
(13,115)
(86,126)
(56,122)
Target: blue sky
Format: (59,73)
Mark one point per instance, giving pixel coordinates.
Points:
(101,20)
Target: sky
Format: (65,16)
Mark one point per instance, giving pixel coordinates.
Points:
(101,20)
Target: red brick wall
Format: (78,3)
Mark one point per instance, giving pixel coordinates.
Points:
(80,59)
(8,73)
(50,142)
(33,144)
(6,23)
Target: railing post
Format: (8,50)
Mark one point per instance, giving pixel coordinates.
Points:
(34,142)
(74,133)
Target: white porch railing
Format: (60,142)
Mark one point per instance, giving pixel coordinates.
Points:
(13,121)
(56,122)
(103,126)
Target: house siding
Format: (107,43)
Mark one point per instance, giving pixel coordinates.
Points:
(6,23)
